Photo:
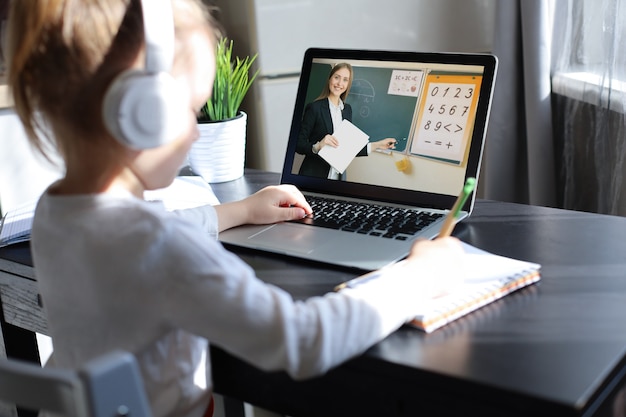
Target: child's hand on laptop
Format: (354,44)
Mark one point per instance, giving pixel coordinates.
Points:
(270,205)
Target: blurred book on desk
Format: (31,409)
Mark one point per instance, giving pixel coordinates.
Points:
(16,224)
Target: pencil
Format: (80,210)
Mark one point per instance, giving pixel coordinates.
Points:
(449,222)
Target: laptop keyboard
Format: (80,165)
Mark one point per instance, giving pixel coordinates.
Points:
(370,219)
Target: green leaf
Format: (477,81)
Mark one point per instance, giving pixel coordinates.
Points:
(232,82)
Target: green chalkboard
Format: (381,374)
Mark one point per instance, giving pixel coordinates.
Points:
(377,113)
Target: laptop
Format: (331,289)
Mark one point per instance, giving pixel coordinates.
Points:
(435,107)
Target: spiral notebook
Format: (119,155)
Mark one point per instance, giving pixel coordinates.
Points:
(486,278)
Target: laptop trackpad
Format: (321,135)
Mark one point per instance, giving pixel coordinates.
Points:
(289,237)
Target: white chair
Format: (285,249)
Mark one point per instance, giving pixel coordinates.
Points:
(106,386)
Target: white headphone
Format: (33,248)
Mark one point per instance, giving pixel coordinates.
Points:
(143,108)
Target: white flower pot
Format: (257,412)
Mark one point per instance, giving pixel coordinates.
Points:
(219,153)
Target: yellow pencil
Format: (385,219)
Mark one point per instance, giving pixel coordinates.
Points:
(449,222)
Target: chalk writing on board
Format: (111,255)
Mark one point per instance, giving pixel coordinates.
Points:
(363,91)
(445,122)
(405,83)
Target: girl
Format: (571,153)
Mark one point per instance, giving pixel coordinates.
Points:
(116,272)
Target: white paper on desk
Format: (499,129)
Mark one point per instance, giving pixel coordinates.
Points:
(184,192)
(351,141)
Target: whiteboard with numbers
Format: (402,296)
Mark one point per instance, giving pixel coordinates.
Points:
(446,117)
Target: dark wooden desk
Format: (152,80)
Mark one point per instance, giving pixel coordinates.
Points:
(554,349)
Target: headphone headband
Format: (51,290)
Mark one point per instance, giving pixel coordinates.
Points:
(159,35)
(145,108)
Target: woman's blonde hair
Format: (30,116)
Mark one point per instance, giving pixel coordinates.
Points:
(63,54)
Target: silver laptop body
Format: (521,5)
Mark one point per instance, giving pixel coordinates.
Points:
(435,105)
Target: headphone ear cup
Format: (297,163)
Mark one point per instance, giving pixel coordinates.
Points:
(144,110)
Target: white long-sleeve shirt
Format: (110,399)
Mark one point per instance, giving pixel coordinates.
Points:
(116,272)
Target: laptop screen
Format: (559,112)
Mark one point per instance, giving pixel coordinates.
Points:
(415,130)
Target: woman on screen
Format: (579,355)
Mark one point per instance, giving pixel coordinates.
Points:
(322,117)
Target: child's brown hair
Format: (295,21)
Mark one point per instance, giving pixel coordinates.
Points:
(63,54)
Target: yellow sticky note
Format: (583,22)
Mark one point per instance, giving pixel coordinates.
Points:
(403,164)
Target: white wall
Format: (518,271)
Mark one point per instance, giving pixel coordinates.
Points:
(281,30)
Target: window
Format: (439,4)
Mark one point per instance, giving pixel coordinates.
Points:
(589,58)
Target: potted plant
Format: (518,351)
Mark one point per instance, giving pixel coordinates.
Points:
(219,154)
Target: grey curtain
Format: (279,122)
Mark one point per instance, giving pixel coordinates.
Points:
(589,93)
(518,164)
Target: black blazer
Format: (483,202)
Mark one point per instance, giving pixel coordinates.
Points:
(317,123)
